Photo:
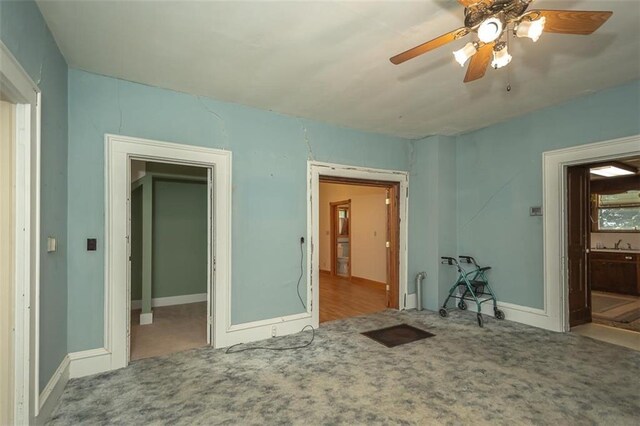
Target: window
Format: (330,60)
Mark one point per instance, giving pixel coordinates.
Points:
(618,212)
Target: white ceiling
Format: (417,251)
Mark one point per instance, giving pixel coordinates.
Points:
(328,61)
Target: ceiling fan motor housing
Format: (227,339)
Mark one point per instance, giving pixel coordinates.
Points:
(505,10)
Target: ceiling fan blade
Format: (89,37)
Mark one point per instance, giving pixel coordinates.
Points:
(573,21)
(479,63)
(467,3)
(430,45)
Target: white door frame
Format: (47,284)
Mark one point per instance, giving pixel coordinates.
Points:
(554,172)
(315,170)
(119,150)
(17,84)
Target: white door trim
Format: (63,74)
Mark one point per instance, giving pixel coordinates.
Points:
(25,94)
(315,170)
(118,152)
(554,172)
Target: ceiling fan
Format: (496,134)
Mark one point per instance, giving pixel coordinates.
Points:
(491,19)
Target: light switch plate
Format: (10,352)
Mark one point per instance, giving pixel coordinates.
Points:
(51,244)
(535,211)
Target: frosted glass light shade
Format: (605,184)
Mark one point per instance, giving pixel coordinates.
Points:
(463,55)
(531,29)
(490,30)
(501,56)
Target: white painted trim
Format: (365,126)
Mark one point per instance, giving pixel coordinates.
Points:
(25,93)
(314,170)
(51,394)
(554,172)
(119,150)
(172,300)
(512,312)
(260,330)
(86,363)
(146,319)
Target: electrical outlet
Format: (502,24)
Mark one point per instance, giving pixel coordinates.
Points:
(273,331)
(301,240)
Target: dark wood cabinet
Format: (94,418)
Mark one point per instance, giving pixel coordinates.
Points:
(615,272)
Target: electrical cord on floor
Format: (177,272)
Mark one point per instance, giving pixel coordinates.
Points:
(301,273)
(287,348)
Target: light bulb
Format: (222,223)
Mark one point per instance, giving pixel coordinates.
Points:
(465,53)
(531,29)
(501,56)
(490,30)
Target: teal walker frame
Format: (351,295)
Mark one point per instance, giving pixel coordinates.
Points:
(473,286)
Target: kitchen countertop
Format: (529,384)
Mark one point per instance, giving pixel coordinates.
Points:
(606,250)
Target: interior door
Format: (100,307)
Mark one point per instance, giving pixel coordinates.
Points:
(578,245)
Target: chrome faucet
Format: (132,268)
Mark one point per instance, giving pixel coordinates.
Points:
(617,245)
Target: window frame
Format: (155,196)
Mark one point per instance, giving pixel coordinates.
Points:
(595,215)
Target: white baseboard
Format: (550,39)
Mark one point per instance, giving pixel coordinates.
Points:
(516,313)
(263,329)
(146,319)
(173,300)
(89,362)
(51,393)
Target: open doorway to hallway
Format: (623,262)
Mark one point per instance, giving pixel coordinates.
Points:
(168,262)
(358,235)
(603,219)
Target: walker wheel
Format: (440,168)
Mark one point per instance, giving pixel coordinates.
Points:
(462,306)
(480,320)
(498,314)
(443,312)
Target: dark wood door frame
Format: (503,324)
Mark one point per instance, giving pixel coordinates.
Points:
(393,231)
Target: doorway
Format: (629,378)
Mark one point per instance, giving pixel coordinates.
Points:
(603,235)
(120,150)
(359,236)
(19,242)
(340,213)
(168,278)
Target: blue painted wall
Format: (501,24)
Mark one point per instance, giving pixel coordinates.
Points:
(432,216)
(499,176)
(24,32)
(270,153)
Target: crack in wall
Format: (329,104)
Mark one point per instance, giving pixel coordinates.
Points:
(223,124)
(40,75)
(412,156)
(310,155)
(486,204)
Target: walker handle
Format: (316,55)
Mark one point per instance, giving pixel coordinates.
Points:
(468,259)
(448,260)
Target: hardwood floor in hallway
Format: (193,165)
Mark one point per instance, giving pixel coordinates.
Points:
(343,298)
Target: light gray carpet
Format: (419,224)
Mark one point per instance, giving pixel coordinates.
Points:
(505,373)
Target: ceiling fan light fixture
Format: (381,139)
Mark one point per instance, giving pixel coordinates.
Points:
(463,55)
(531,29)
(501,56)
(490,30)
